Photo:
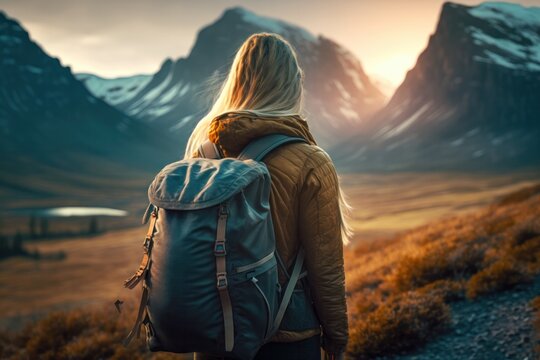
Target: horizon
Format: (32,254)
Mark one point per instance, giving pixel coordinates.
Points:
(98,45)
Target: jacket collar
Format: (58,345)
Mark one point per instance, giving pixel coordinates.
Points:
(232,131)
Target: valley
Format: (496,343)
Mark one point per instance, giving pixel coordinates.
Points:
(95,267)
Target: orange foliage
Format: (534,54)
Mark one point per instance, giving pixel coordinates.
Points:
(474,254)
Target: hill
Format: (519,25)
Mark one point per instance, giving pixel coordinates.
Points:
(455,283)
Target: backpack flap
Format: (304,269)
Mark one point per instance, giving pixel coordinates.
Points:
(213,279)
(199,183)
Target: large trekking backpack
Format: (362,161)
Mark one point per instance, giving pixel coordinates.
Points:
(209,270)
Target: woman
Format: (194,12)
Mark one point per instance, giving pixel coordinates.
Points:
(262,95)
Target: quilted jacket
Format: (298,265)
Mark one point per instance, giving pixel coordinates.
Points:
(305,211)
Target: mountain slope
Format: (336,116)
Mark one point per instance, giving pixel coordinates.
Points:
(53,128)
(114,91)
(470,102)
(339,93)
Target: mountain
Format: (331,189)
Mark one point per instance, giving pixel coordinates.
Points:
(470,102)
(54,130)
(339,93)
(114,91)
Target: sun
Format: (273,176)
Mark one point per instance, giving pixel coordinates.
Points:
(390,71)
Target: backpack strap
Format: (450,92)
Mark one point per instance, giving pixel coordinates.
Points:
(291,284)
(147,246)
(284,268)
(141,274)
(259,148)
(209,150)
(136,330)
(221,276)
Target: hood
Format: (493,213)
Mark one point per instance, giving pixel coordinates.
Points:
(232,131)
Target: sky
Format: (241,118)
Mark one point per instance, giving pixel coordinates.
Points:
(114,38)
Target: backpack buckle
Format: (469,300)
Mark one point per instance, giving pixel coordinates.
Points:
(146,242)
(219,248)
(223,210)
(221,280)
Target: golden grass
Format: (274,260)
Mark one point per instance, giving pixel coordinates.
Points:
(80,334)
(388,203)
(501,275)
(398,324)
(463,256)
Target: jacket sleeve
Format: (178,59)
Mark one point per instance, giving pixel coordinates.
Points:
(320,235)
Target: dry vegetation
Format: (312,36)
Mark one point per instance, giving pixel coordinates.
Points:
(78,334)
(398,288)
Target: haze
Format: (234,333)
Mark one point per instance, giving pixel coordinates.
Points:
(126,37)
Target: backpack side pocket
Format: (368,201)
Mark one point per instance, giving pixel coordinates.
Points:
(300,314)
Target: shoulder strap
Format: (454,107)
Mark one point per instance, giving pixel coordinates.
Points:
(209,150)
(291,284)
(259,148)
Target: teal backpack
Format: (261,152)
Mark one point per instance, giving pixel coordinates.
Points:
(209,270)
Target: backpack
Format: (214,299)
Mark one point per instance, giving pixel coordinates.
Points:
(209,269)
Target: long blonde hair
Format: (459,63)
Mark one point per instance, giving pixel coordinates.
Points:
(264,79)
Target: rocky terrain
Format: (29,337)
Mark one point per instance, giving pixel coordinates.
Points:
(497,327)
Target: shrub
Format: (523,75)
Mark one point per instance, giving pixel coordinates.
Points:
(528,254)
(498,225)
(437,262)
(448,290)
(362,303)
(501,275)
(7,345)
(402,323)
(76,334)
(526,233)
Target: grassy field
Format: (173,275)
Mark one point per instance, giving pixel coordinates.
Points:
(92,273)
(95,266)
(402,270)
(385,204)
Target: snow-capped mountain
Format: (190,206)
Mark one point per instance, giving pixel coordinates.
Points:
(116,90)
(49,120)
(339,93)
(472,101)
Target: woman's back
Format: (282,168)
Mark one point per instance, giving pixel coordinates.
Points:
(305,212)
(263,94)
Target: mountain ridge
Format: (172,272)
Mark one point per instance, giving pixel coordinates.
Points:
(457,109)
(339,95)
(51,122)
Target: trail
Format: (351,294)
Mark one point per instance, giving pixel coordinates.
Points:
(493,327)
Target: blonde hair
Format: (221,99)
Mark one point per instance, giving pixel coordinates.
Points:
(265,79)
